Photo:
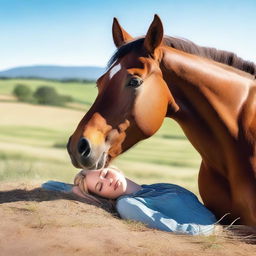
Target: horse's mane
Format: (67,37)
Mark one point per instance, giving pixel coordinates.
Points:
(225,57)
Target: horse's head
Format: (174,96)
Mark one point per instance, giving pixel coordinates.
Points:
(131,104)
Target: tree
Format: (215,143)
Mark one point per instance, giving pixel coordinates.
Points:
(47,95)
(23,92)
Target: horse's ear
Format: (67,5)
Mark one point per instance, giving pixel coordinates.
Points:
(120,36)
(154,35)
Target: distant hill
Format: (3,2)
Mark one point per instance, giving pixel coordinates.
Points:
(54,72)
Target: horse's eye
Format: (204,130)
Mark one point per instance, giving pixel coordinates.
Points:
(135,82)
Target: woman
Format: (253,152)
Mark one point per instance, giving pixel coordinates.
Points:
(162,206)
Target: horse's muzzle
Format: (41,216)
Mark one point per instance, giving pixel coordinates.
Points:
(88,156)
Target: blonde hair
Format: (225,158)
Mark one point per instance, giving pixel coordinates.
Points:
(79,181)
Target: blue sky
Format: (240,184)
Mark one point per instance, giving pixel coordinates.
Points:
(76,32)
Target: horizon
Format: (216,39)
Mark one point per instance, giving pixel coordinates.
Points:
(78,33)
(52,65)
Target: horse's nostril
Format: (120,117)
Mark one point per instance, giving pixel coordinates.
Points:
(83,147)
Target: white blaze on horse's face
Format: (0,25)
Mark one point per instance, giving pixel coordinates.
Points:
(114,70)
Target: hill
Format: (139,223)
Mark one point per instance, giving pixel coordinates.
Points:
(54,72)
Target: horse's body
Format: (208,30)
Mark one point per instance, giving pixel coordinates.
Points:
(218,117)
(214,103)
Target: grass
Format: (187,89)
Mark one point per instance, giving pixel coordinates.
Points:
(33,139)
(83,93)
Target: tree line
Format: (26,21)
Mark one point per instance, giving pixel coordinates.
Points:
(44,95)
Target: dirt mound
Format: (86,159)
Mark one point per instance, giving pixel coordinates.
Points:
(36,222)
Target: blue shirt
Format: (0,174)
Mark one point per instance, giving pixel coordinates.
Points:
(167,207)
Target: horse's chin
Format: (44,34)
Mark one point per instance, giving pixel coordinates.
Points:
(102,162)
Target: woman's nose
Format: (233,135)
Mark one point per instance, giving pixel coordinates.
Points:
(110,181)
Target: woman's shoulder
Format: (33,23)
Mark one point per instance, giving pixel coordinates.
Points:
(125,202)
(157,190)
(166,187)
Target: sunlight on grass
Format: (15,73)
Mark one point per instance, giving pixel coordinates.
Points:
(33,143)
(81,92)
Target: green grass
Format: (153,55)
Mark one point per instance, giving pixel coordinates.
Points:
(32,147)
(22,168)
(37,135)
(81,92)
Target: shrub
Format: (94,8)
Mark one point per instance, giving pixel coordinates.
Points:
(47,95)
(23,92)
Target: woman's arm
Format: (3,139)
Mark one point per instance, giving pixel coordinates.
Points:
(132,209)
(57,186)
(68,188)
(62,187)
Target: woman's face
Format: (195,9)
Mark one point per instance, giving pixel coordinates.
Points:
(107,182)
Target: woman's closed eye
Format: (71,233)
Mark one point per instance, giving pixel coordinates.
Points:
(98,186)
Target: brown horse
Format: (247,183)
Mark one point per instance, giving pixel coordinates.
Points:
(210,93)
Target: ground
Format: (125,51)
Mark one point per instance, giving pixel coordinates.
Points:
(36,222)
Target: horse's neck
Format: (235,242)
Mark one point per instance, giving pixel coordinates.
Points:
(209,95)
(202,85)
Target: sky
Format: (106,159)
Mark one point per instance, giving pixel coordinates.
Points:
(78,33)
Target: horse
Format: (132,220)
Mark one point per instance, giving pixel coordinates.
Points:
(210,93)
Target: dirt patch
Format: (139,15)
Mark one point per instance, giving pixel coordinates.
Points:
(36,222)
(5,97)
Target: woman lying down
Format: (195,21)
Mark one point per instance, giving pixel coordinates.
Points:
(161,206)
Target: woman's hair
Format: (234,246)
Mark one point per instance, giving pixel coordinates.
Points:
(108,204)
(79,181)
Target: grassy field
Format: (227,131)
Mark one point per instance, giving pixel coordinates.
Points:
(33,138)
(81,92)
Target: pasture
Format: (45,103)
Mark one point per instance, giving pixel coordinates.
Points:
(33,150)
(33,139)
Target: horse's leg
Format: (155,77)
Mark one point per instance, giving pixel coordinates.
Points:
(244,199)
(215,193)
(217,196)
